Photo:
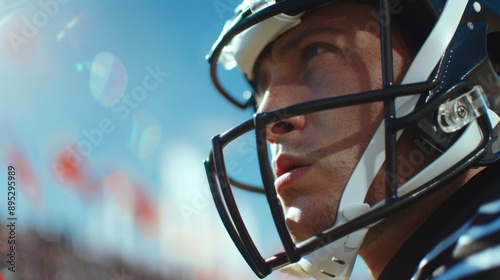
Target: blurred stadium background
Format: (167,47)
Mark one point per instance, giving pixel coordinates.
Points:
(106,112)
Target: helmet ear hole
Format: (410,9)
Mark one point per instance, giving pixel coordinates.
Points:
(493,47)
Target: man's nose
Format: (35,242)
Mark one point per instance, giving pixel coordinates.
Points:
(276,130)
(283,92)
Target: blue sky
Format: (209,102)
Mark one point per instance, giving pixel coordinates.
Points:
(120,89)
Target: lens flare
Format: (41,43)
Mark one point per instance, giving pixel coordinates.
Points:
(67,28)
(145,134)
(108,78)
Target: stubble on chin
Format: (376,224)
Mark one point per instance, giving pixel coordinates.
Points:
(308,219)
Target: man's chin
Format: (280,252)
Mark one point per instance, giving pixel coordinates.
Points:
(303,225)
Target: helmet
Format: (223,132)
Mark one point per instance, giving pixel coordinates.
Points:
(449,96)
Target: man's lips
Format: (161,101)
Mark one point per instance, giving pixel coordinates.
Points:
(288,170)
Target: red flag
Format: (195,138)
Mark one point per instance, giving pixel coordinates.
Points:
(75,171)
(27,184)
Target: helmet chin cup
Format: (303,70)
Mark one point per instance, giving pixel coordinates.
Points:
(337,259)
(322,266)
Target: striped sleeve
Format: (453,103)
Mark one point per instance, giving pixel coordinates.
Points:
(471,252)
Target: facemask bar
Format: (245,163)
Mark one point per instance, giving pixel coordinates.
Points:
(225,203)
(391,205)
(390,103)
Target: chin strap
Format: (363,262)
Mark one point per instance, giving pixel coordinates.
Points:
(335,260)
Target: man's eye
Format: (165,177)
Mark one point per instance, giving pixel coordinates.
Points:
(314,50)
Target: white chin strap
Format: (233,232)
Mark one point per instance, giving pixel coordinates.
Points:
(336,260)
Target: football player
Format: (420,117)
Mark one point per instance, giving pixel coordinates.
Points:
(376,132)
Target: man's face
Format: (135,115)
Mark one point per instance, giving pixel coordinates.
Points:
(334,51)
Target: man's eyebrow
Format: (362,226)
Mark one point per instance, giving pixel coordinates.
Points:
(295,41)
